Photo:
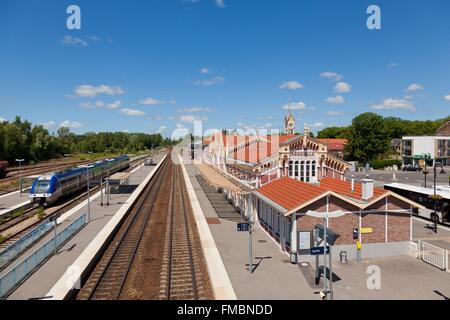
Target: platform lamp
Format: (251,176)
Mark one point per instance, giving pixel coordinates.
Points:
(20,173)
(88,196)
(67,156)
(436,197)
(326,216)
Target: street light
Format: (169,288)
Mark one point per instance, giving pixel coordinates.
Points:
(435,196)
(326,216)
(89,198)
(67,156)
(20,174)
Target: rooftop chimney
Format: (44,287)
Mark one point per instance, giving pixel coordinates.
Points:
(367,189)
(353,183)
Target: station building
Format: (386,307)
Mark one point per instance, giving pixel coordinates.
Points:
(258,159)
(282,205)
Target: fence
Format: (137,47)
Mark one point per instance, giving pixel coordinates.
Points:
(434,255)
(9,281)
(23,243)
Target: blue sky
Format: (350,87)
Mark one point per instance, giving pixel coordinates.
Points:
(150,66)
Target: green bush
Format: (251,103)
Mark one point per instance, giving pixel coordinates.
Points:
(381,164)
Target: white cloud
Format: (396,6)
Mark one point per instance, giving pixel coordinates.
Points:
(162,129)
(291,85)
(342,87)
(195,109)
(334,113)
(414,87)
(151,101)
(2,119)
(73,41)
(190,118)
(295,106)
(101,105)
(92,91)
(317,125)
(220,3)
(180,131)
(210,82)
(70,124)
(205,71)
(392,65)
(331,75)
(393,104)
(447,98)
(336,100)
(132,112)
(49,125)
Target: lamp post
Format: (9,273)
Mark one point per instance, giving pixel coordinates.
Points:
(20,174)
(326,216)
(88,195)
(67,156)
(435,196)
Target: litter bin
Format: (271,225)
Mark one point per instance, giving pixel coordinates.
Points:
(293,257)
(343,256)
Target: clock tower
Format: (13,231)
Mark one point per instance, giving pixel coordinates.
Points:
(289,123)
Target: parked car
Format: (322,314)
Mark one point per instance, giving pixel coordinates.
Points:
(411,167)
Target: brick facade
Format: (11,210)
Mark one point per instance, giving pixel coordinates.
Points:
(398,224)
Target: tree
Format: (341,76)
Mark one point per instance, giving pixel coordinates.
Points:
(333,133)
(368,138)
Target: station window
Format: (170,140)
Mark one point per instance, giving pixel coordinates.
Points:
(296,169)
(302,170)
(313,169)
(307,171)
(290,168)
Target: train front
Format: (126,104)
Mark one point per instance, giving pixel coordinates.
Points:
(43,190)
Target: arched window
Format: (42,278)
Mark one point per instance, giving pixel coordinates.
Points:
(296,169)
(302,171)
(307,171)
(290,168)
(313,169)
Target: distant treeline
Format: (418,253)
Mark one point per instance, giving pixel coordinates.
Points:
(20,139)
(369,136)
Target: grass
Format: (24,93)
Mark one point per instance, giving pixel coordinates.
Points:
(2,239)
(40,214)
(17,213)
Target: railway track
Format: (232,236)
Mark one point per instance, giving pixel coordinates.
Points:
(179,263)
(14,229)
(155,254)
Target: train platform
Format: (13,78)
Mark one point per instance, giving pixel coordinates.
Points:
(273,277)
(41,282)
(12,201)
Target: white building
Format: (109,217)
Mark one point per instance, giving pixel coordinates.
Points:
(437,147)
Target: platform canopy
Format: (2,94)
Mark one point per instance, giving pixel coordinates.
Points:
(219,180)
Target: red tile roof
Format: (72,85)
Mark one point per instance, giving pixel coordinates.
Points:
(255,152)
(334,144)
(345,188)
(290,193)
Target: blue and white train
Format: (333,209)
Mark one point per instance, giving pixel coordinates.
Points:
(48,188)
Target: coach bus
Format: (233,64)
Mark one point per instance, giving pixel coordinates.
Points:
(424,196)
